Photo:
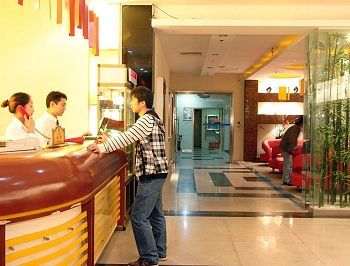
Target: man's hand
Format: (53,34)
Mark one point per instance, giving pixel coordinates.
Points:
(94,148)
(102,138)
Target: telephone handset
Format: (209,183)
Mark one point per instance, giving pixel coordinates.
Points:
(22,111)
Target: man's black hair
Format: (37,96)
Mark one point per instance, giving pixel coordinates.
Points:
(142,93)
(54,96)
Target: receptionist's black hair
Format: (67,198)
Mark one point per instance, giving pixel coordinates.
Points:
(54,96)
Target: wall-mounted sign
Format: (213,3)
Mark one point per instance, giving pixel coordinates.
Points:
(132,76)
(213,122)
(188,113)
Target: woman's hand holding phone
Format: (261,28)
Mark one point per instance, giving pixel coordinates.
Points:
(30,124)
(28,120)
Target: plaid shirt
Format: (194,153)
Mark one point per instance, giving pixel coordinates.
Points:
(149,133)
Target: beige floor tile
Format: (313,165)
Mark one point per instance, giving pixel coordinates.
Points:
(265,238)
(285,253)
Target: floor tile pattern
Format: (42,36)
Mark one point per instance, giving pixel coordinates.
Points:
(256,221)
(186,182)
(220,179)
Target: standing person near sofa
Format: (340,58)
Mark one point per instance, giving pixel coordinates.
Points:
(287,145)
(21,125)
(147,217)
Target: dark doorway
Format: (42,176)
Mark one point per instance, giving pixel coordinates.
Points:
(197,128)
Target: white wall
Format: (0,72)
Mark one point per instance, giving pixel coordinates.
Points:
(161,74)
(38,56)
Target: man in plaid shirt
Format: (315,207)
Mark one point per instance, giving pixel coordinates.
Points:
(147,217)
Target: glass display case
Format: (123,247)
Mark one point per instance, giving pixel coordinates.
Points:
(114,113)
(115,116)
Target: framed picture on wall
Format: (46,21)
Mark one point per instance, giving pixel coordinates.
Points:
(188,113)
(213,122)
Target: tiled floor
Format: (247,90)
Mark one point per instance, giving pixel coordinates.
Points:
(236,214)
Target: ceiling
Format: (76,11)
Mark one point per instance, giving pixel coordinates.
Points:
(253,52)
(253,49)
(207,55)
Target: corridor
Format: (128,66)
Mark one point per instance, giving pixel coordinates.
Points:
(233,214)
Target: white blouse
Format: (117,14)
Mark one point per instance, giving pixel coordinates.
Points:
(17,129)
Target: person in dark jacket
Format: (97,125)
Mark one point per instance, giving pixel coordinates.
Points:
(287,145)
(147,217)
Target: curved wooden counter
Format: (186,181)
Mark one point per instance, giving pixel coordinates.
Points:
(35,182)
(35,185)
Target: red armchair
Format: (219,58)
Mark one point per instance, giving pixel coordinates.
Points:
(267,145)
(297,171)
(276,161)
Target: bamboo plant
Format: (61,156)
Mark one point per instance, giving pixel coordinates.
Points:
(329,105)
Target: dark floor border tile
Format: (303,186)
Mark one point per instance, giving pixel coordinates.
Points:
(306,214)
(246,195)
(241,171)
(258,188)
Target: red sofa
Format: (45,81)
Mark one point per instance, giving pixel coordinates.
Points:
(297,171)
(276,161)
(267,146)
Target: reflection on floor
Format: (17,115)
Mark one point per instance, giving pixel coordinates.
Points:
(221,213)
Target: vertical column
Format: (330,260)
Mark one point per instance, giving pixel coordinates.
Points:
(250,119)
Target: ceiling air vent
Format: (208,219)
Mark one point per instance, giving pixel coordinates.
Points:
(191,53)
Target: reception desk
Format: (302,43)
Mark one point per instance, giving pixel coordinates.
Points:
(59,206)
